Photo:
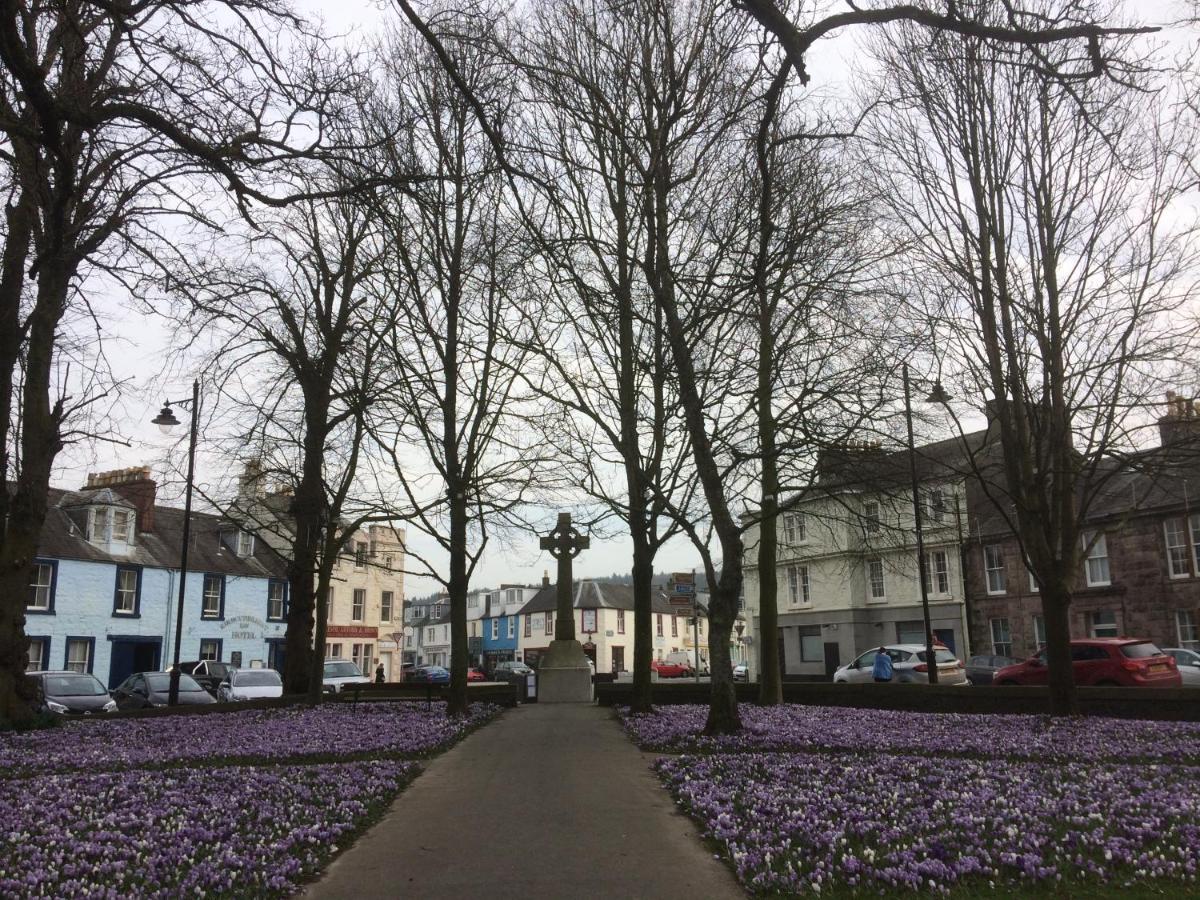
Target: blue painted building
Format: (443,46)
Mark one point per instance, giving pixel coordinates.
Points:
(103,594)
(501,623)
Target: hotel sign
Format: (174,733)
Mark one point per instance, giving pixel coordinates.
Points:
(352,631)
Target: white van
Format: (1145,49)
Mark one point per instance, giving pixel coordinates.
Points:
(687,658)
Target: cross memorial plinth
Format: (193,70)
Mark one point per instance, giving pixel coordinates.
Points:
(564,675)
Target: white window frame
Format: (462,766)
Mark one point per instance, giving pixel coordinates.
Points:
(99,523)
(1187,630)
(245,543)
(872,521)
(872,596)
(205,612)
(214,645)
(495,629)
(41,662)
(937,578)
(935,512)
(1095,627)
(1176,538)
(361,549)
(73,664)
(1000,629)
(1194,528)
(795,529)
(550,621)
(358,605)
(1097,554)
(512,626)
(387,607)
(124,531)
(272,599)
(993,569)
(124,594)
(1039,632)
(39,587)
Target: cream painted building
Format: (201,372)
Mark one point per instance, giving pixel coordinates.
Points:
(366,600)
(847,571)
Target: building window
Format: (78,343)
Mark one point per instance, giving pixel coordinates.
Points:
(127,593)
(212,603)
(245,544)
(1177,548)
(674,625)
(811,648)
(429,635)
(122,525)
(620,621)
(210,648)
(360,554)
(39,654)
(41,587)
(437,610)
(1033,584)
(512,626)
(276,600)
(98,526)
(658,625)
(495,629)
(328,605)
(1039,632)
(794,529)
(333,651)
(935,505)
(1194,525)
(446,632)
(1001,637)
(387,562)
(1103,623)
(385,606)
(1185,624)
(876,589)
(511,596)
(871,517)
(797,579)
(588,621)
(937,572)
(528,626)
(550,622)
(360,655)
(358,605)
(1096,564)
(79,655)
(911,631)
(993,567)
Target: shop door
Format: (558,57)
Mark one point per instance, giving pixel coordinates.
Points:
(618,660)
(833,659)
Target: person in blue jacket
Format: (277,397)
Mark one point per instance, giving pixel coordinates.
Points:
(882,670)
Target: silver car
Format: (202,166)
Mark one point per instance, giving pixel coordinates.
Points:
(908,666)
(250,684)
(1188,662)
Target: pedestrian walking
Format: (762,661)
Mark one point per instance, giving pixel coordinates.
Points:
(379,674)
(882,670)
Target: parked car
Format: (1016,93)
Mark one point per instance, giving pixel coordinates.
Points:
(208,673)
(685,658)
(339,673)
(250,684)
(146,689)
(473,674)
(71,693)
(741,672)
(504,670)
(908,666)
(1188,663)
(667,669)
(430,675)
(1126,661)
(981,669)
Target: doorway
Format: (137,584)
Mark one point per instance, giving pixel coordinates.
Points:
(833,658)
(946,636)
(618,660)
(131,655)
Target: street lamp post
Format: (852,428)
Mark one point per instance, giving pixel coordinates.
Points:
(166,420)
(937,395)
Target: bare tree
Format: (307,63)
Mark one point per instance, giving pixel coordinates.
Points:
(450,427)
(1051,264)
(106,123)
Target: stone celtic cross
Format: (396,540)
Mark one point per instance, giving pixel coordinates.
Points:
(564,544)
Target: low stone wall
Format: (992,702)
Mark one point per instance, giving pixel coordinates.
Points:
(1174,704)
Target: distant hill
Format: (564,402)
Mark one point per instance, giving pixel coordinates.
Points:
(660,579)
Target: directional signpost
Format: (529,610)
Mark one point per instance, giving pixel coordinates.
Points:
(681,591)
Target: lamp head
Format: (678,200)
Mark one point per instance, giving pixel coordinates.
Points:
(938,394)
(165,420)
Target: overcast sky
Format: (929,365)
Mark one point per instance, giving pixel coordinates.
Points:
(139,343)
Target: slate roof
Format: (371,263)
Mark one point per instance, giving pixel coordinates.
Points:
(64,537)
(595,595)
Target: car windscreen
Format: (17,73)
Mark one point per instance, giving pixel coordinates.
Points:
(257,678)
(942,656)
(160,682)
(73,686)
(1140,650)
(341,670)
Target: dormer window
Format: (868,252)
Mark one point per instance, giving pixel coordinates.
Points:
(245,543)
(437,610)
(110,525)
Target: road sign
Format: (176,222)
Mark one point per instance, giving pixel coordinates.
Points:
(680,600)
(688,589)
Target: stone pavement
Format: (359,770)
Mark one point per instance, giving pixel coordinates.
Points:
(549,801)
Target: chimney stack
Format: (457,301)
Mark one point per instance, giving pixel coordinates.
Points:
(1181,424)
(135,485)
(252,485)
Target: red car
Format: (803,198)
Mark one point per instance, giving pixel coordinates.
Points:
(473,674)
(1102,661)
(668,669)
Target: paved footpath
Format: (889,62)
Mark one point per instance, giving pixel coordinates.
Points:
(550,801)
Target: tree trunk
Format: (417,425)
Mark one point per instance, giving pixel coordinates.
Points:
(1056,606)
(316,673)
(643,636)
(307,514)
(723,716)
(457,703)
